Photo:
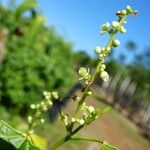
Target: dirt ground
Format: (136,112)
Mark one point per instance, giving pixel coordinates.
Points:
(115,129)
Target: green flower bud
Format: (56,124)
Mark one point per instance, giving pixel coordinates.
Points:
(83,72)
(124,12)
(81,122)
(116,43)
(84,75)
(107,50)
(45,93)
(129,10)
(73,120)
(55,95)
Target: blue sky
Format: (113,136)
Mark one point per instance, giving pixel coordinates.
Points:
(79,21)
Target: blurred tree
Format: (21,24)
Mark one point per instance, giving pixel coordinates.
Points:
(131,45)
(37,58)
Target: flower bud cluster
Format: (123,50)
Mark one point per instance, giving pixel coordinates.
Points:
(89,114)
(65,119)
(102,53)
(111,29)
(104,76)
(126,11)
(89,92)
(41,107)
(84,73)
(105,27)
(116,25)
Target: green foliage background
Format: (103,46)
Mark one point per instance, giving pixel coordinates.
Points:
(37,59)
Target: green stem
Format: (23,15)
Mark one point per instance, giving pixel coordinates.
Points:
(65,139)
(86,139)
(60,142)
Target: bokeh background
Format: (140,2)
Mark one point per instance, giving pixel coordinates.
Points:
(42,45)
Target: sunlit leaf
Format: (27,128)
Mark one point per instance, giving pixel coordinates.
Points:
(14,137)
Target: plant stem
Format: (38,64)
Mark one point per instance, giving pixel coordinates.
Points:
(86,139)
(65,139)
(96,71)
(60,142)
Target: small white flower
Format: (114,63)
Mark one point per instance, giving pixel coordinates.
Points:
(32,106)
(119,12)
(115,24)
(104,75)
(45,93)
(81,121)
(89,93)
(55,95)
(122,29)
(49,102)
(124,12)
(105,27)
(91,109)
(73,119)
(97,49)
(129,9)
(42,103)
(42,120)
(102,67)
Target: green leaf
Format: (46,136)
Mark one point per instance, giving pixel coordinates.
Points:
(14,137)
(27,146)
(105,146)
